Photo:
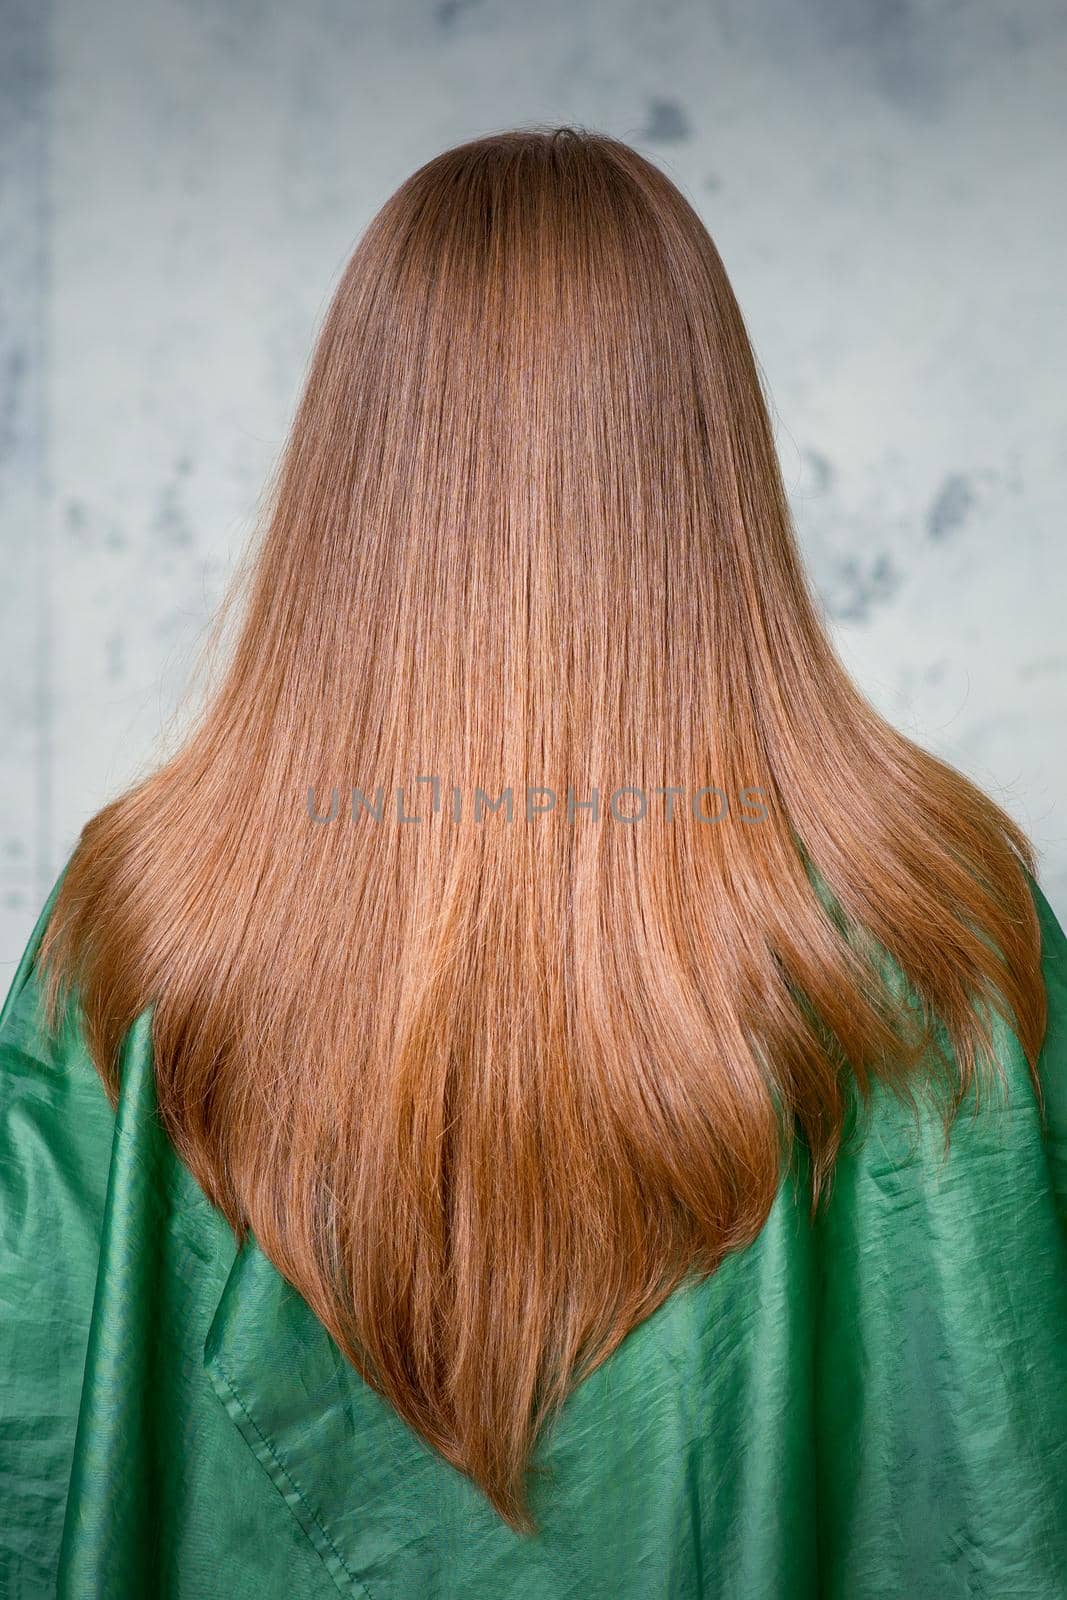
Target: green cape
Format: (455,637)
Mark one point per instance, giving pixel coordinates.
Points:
(870,1404)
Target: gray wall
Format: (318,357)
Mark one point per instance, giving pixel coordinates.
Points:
(183,181)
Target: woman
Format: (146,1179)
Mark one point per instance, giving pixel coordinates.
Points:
(545,1093)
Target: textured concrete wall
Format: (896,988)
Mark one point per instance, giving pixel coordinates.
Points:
(182,180)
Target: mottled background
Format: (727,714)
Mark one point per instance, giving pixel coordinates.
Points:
(182,182)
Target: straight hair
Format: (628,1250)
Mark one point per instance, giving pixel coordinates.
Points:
(486,1091)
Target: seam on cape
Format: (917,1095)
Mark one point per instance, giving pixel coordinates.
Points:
(287,1487)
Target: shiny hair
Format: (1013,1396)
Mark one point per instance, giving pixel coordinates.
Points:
(487,1090)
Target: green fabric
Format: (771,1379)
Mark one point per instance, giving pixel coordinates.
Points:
(870,1405)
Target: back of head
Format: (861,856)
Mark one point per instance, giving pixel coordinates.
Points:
(487,1086)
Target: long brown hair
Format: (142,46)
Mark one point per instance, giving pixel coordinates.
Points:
(487,1088)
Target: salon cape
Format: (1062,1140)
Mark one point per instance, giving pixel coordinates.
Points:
(870,1404)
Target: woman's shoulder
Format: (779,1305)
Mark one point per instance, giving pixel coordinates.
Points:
(55,1118)
(56,1134)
